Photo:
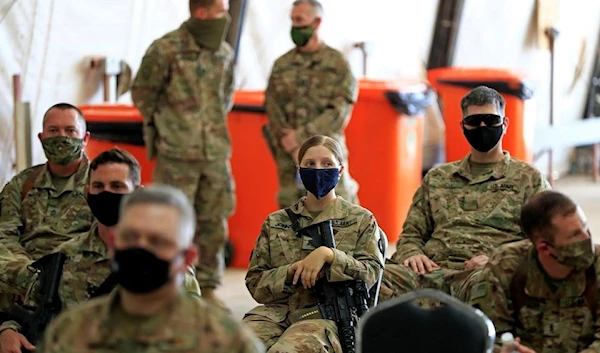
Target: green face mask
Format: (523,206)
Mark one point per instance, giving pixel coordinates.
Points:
(62,150)
(209,33)
(301,35)
(578,255)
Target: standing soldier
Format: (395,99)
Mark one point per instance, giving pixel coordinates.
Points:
(310,92)
(184,91)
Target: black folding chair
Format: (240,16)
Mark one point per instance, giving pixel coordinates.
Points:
(400,325)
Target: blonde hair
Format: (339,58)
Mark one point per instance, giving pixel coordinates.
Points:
(321,140)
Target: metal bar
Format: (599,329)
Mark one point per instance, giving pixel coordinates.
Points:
(583,132)
(552,33)
(16,81)
(443,45)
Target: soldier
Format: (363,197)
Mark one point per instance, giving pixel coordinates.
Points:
(44,206)
(149,311)
(86,273)
(184,91)
(284,268)
(544,289)
(465,209)
(310,92)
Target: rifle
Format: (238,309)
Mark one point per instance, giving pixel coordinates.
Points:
(342,302)
(35,319)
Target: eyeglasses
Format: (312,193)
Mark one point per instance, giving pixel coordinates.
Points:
(487,119)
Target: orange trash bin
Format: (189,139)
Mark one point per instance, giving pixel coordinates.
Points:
(385,137)
(253,168)
(117,125)
(453,84)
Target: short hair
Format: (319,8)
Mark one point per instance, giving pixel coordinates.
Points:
(165,195)
(321,140)
(481,96)
(196,4)
(539,210)
(118,156)
(314,4)
(67,106)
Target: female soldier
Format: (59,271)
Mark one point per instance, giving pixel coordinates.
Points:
(284,268)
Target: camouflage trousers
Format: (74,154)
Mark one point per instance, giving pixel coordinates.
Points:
(291,189)
(280,336)
(398,280)
(210,187)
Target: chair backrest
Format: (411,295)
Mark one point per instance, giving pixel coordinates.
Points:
(400,325)
(374,291)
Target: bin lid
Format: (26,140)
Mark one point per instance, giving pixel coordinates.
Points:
(504,81)
(111,113)
(407,97)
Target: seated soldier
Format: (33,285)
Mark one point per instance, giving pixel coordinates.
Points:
(285,267)
(149,311)
(86,273)
(544,289)
(44,206)
(465,209)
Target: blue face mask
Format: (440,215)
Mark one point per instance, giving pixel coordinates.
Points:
(319,182)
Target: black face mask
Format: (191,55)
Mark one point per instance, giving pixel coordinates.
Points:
(140,271)
(105,207)
(484,138)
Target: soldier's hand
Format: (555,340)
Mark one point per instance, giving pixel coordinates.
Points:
(420,264)
(12,342)
(516,347)
(477,261)
(289,141)
(308,269)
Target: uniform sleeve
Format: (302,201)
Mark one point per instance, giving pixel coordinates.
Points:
(229,87)
(491,296)
(54,331)
(537,184)
(418,226)
(365,263)
(150,81)
(275,112)
(15,278)
(190,283)
(337,114)
(247,342)
(10,325)
(595,346)
(265,283)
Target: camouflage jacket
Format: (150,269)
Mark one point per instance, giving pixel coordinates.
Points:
(188,325)
(455,216)
(34,226)
(550,322)
(184,92)
(312,93)
(357,256)
(86,268)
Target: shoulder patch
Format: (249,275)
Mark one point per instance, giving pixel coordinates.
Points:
(479,290)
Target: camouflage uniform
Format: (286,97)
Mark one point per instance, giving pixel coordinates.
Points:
(86,268)
(551,320)
(455,217)
(188,325)
(184,92)
(313,94)
(35,226)
(356,256)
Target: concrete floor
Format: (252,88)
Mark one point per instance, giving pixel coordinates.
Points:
(580,188)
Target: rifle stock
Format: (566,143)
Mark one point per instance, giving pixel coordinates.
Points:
(35,320)
(342,302)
